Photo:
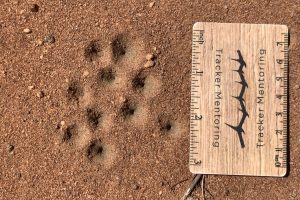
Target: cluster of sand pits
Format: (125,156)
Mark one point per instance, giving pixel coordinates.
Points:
(121,57)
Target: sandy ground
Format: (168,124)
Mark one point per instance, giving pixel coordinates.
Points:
(83,117)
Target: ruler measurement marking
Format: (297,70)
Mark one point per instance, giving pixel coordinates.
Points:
(195,96)
(281,161)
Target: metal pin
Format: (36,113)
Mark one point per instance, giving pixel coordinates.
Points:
(195,181)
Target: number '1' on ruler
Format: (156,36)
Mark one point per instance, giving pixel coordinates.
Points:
(239,99)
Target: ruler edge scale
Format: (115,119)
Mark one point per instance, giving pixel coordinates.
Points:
(285,106)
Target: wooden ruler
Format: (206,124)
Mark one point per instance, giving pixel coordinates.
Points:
(239,99)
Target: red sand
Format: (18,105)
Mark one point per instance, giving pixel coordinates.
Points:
(125,128)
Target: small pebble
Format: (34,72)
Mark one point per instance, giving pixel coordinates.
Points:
(40,94)
(4,73)
(39,42)
(156,51)
(27,30)
(18,175)
(297,87)
(160,193)
(49,39)
(85,73)
(149,63)
(34,8)
(149,56)
(122,99)
(60,125)
(10,148)
(151,4)
(135,187)
(31,87)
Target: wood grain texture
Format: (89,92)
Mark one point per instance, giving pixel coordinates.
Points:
(239,102)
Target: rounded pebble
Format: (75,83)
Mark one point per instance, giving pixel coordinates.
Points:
(149,63)
(157,51)
(27,30)
(149,56)
(151,4)
(31,87)
(135,187)
(49,39)
(10,148)
(40,94)
(85,73)
(39,42)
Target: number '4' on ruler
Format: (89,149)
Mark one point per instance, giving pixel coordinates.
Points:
(239,99)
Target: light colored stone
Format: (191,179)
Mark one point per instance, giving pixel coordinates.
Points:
(149,63)
(85,73)
(3,73)
(122,99)
(31,87)
(27,30)
(149,56)
(40,94)
(157,51)
(151,4)
(39,42)
(135,187)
